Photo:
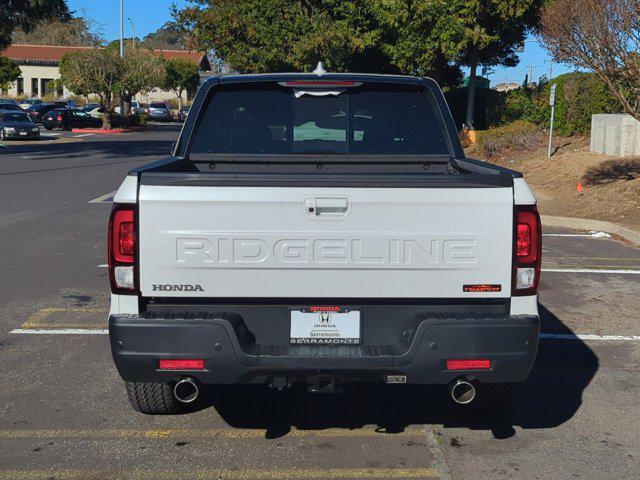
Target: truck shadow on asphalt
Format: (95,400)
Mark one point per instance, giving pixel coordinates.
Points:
(551,396)
(89,154)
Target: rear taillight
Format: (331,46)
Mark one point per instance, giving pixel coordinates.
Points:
(59,118)
(527,250)
(122,249)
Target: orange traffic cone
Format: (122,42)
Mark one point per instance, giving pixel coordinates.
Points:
(579,188)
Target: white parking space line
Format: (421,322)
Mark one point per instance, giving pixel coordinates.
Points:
(103,265)
(106,198)
(588,337)
(60,331)
(3,146)
(591,270)
(84,135)
(593,234)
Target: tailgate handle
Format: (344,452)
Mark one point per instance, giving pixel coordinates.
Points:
(331,206)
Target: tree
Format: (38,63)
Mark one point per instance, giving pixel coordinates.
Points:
(81,31)
(411,38)
(141,71)
(181,75)
(9,72)
(602,36)
(93,71)
(27,14)
(282,35)
(485,33)
(167,37)
(415,37)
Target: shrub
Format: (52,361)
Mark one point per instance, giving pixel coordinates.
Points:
(118,121)
(579,95)
(519,135)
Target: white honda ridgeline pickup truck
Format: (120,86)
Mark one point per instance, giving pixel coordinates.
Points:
(321,229)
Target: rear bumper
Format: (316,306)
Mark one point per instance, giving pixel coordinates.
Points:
(138,343)
(17,136)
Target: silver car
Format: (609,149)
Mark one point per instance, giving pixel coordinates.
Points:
(160,111)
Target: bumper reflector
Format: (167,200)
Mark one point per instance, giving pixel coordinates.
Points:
(173,364)
(468,364)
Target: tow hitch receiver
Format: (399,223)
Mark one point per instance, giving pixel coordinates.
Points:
(325,384)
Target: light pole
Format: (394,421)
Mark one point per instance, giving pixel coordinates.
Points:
(121,49)
(133,27)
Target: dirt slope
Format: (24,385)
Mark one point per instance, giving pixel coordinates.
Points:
(611,187)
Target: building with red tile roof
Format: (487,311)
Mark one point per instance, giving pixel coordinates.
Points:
(40,65)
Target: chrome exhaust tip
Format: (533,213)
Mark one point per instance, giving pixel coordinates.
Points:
(463,392)
(186,390)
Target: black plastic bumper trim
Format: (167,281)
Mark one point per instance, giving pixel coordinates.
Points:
(137,344)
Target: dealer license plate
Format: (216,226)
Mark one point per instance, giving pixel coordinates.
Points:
(325,325)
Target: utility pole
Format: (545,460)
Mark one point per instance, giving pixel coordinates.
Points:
(531,70)
(121,49)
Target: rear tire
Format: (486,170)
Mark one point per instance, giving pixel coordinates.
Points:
(153,398)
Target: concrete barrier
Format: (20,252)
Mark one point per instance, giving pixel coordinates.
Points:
(615,134)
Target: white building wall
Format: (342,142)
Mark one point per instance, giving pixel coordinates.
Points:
(39,73)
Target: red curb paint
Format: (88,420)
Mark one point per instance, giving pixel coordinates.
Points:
(111,131)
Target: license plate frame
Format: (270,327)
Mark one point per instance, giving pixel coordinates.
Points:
(325,325)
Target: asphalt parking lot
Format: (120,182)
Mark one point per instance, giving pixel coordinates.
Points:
(64,413)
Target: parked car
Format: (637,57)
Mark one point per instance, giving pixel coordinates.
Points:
(96,112)
(37,112)
(136,108)
(90,106)
(17,125)
(160,111)
(68,118)
(30,102)
(62,103)
(11,106)
(182,114)
(10,101)
(400,261)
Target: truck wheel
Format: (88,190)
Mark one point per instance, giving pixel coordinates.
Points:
(153,398)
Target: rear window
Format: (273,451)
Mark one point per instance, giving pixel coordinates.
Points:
(365,120)
(15,117)
(158,105)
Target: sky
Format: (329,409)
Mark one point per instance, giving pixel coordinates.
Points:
(149,15)
(146,15)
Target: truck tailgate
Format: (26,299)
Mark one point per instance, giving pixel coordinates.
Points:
(277,242)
